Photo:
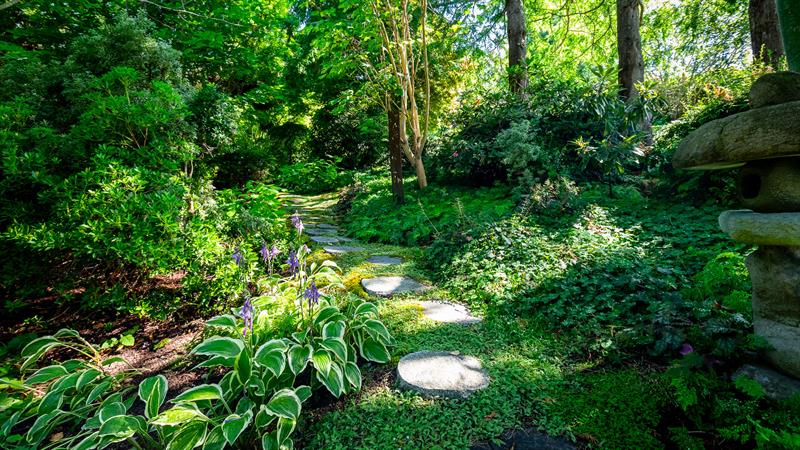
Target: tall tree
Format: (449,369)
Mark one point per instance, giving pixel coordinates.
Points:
(395,150)
(395,23)
(629,46)
(789,15)
(517,47)
(765,32)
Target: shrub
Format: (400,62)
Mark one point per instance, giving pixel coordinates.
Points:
(312,177)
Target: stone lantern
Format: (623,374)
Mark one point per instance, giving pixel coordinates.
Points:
(764,143)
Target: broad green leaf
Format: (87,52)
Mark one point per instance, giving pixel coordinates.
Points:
(264,418)
(88,443)
(274,344)
(334,329)
(51,401)
(87,376)
(112,360)
(303,393)
(353,375)
(37,345)
(285,429)
(188,436)
(299,357)
(285,403)
(46,374)
(217,361)
(367,308)
(373,350)
(120,427)
(66,333)
(234,425)
(126,340)
(215,440)
(243,366)
(324,314)
(198,393)
(110,410)
(41,427)
(334,380)
(272,357)
(376,327)
(270,441)
(178,415)
(220,346)
(98,391)
(223,321)
(338,347)
(153,392)
(322,361)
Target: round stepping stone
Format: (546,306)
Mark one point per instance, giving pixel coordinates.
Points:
(448,313)
(441,374)
(325,239)
(388,286)
(385,260)
(313,231)
(326,226)
(339,249)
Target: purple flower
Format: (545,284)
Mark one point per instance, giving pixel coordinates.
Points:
(685,349)
(265,255)
(297,222)
(293,262)
(237,256)
(312,294)
(246,313)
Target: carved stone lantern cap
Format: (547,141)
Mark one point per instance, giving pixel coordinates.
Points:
(770,130)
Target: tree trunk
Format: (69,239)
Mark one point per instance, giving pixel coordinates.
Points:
(789,15)
(395,152)
(422,179)
(765,32)
(629,46)
(517,47)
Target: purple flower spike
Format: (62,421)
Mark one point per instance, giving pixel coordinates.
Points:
(237,256)
(246,313)
(274,252)
(297,222)
(686,349)
(312,294)
(293,262)
(265,254)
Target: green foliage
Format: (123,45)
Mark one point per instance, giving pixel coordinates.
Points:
(312,177)
(428,214)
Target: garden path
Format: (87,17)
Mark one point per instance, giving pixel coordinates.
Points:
(440,373)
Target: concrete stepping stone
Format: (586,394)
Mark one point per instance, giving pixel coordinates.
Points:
(441,374)
(314,231)
(325,239)
(339,249)
(385,260)
(529,439)
(326,226)
(388,286)
(448,313)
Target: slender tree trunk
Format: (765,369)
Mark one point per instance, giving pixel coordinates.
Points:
(422,179)
(517,47)
(765,32)
(395,152)
(629,46)
(789,15)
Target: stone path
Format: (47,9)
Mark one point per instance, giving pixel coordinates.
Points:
(385,260)
(441,374)
(388,286)
(431,374)
(445,312)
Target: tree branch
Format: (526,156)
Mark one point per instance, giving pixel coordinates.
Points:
(8,4)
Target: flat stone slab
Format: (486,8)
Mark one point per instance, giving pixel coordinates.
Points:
(326,226)
(776,385)
(314,231)
(385,260)
(768,132)
(743,225)
(325,239)
(388,286)
(441,374)
(339,249)
(448,313)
